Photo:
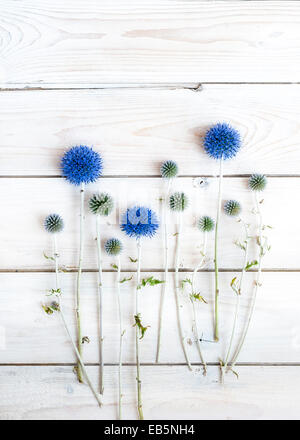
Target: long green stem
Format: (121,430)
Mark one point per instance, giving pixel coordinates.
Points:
(137,337)
(182,339)
(100,293)
(217,291)
(195,325)
(79,358)
(121,337)
(238,295)
(257,285)
(166,280)
(78,311)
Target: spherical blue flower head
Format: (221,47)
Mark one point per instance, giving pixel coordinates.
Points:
(139,221)
(81,164)
(222,141)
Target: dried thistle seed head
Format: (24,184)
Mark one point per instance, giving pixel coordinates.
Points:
(169,169)
(206,224)
(113,246)
(257,182)
(178,201)
(232,208)
(53,223)
(101,204)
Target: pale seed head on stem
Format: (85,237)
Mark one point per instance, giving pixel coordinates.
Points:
(232,208)
(178,201)
(53,223)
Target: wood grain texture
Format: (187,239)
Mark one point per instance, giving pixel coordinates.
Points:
(33,393)
(135,130)
(49,43)
(29,335)
(28,201)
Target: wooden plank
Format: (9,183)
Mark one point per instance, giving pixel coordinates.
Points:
(28,201)
(29,335)
(54,393)
(157,41)
(135,130)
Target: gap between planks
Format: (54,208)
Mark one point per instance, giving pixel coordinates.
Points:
(148,176)
(153,364)
(183,270)
(193,87)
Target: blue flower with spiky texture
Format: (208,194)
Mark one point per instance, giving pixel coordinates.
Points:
(81,164)
(222,141)
(139,221)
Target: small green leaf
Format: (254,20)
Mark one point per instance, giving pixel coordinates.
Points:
(133,260)
(47,257)
(126,279)
(51,308)
(183,282)
(150,281)
(56,292)
(235,373)
(138,323)
(197,297)
(114,266)
(47,309)
(234,286)
(240,245)
(251,264)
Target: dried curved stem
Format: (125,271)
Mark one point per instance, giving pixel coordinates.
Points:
(257,284)
(238,295)
(166,281)
(100,293)
(217,291)
(78,311)
(182,339)
(121,337)
(195,325)
(79,358)
(137,338)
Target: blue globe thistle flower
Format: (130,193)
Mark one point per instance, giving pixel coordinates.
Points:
(257,182)
(222,141)
(139,221)
(232,208)
(81,164)
(169,169)
(113,246)
(53,223)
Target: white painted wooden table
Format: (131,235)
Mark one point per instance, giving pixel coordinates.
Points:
(141,80)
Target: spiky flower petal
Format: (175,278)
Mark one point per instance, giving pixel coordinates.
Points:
(81,164)
(178,201)
(232,207)
(206,224)
(113,246)
(222,141)
(139,221)
(169,169)
(53,223)
(257,182)
(101,204)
